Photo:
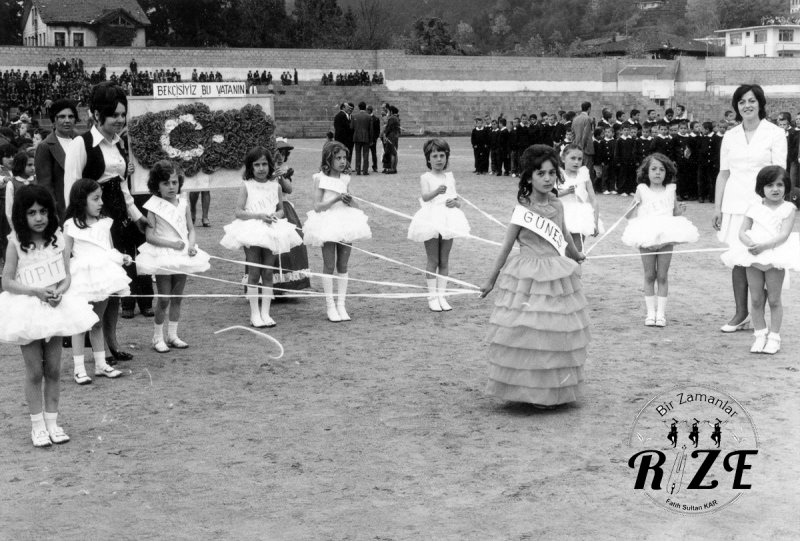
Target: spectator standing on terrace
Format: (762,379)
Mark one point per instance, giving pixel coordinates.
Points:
(583,127)
(134,66)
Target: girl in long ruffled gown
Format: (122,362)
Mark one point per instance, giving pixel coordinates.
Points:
(38,306)
(658,226)
(170,251)
(261,230)
(438,221)
(334,224)
(96,270)
(767,248)
(539,329)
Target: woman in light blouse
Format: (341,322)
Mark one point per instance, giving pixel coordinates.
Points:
(99,155)
(746,149)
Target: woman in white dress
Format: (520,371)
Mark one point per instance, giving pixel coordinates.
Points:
(750,146)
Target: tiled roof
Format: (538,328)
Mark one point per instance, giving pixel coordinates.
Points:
(85,11)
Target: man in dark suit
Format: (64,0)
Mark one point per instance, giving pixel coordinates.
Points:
(583,128)
(376,131)
(361,125)
(50,153)
(341,129)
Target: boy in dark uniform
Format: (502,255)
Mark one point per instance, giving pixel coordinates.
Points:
(785,122)
(480,146)
(494,147)
(643,143)
(606,159)
(681,152)
(706,168)
(661,142)
(504,154)
(625,162)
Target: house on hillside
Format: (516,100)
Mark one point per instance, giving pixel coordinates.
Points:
(778,37)
(84,23)
(653,44)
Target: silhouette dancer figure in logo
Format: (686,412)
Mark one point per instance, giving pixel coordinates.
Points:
(694,435)
(716,435)
(673,432)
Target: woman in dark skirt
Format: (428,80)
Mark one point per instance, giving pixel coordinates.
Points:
(293,265)
(99,155)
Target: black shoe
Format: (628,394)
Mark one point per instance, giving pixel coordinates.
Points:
(374,169)
(119,355)
(66,342)
(110,361)
(147,312)
(365,174)
(126,313)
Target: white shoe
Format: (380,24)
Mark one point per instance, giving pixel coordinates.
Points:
(333,314)
(650,320)
(257,322)
(269,322)
(433,304)
(160,346)
(177,343)
(343,315)
(744,325)
(661,320)
(759,341)
(773,345)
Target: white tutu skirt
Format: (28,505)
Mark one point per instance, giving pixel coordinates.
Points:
(160,260)
(278,237)
(579,218)
(25,318)
(785,256)
(656,231)
(432,220)
(97,278)
(339,224)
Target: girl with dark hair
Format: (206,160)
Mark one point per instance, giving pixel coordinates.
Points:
(170,251)
(658,226)
(99,155)
(22,170)
(746,149)
(539,329)
(37,306)
(261,229)
(96,269)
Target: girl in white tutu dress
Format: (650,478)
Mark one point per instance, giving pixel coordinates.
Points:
(539,329)
(581,212)
(37,305)
(96,270)
(334,224)
(170,250)
(658,226)
(438,221)
(768,249)
(261,230)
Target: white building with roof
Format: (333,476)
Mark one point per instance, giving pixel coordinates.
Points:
(772,40)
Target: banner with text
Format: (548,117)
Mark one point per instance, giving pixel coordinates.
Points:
(192,90)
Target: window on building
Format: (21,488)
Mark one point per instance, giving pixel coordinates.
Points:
(760,36)
(77,39)
(786,35)
(61,39)
(736,38)
(786,54)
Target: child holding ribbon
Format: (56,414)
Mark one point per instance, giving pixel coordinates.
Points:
(539,329)
(36,306)
(335,222)
(170,250)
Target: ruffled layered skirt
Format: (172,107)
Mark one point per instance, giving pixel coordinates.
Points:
(432,220)
(278,237)
(579,218)
(161,260)
(25,318)
(656,231)
(539,331)
(96,278)
(339,224)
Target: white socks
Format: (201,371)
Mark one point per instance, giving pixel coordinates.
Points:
(433,297)
(99,360)
(255,314)
(50,421)
(441,286)
(341,290)
(172,330)
(158,332)
(38,423)
(327,287)
(759,340)
(661,307)
(80,367)
(266,301)
(650,304)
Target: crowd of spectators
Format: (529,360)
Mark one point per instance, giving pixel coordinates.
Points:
(354,78)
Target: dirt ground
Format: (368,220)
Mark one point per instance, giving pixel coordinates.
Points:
(378,429)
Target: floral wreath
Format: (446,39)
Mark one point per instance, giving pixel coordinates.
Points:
(200,139)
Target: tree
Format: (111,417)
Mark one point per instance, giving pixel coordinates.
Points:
(267,24)
(10,22)
(191,23)
(702,17)
(318,24)
(736,14)
(373,20)
(431,36)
